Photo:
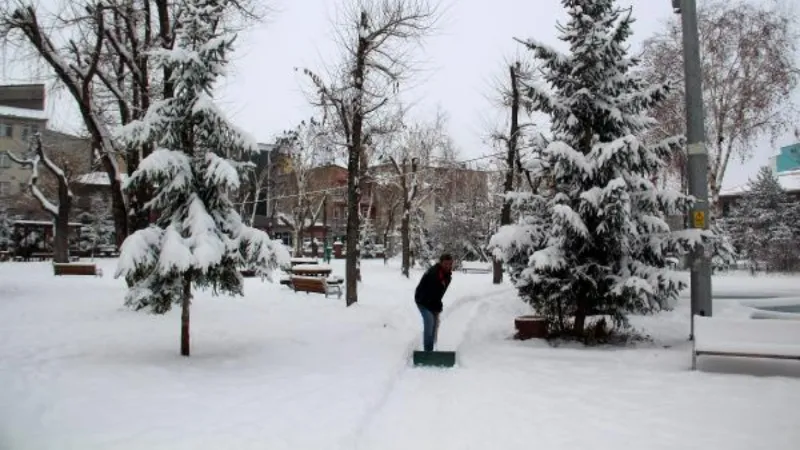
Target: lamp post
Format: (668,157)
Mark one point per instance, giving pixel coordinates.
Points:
(697,153)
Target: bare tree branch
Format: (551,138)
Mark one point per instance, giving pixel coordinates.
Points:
(750,70)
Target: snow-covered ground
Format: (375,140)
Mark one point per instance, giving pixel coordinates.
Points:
(278,370)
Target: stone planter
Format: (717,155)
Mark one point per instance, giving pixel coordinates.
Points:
(530,327)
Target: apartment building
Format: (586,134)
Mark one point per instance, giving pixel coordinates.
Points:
(328,186)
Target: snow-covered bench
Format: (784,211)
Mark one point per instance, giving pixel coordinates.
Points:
(315,284)
(475,267)
(746,338)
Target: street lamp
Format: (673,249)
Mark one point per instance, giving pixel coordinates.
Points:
(697,166)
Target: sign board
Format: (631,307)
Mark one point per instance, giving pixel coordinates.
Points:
(699,219)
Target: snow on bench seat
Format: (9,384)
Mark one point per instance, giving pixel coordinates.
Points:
(475,266)
(746,338)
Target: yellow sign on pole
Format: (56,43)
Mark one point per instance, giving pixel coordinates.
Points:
(699,219)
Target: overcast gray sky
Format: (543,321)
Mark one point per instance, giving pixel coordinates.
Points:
(264,94)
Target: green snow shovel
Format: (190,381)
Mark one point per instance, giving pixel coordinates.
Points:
(435,359)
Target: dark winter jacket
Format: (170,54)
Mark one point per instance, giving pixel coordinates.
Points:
(431,288)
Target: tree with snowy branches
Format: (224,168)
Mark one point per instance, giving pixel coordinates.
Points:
(595,240)
(198,238)
(763,224)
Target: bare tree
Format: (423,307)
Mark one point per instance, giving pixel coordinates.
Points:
(59,209)
(750,70)
(304,149)
(76,67)
(511,99)
(391,200)
(101,52)
(467,216)
(260,182)
(375,39)
(416,146)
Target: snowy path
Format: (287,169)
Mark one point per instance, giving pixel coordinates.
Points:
(519,395)
(456,321)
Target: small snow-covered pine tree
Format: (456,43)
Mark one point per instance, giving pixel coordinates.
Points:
(595,241)
(764,223)
(198,238)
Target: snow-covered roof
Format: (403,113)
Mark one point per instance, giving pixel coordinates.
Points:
(22,113)
(97,179)
(789,181)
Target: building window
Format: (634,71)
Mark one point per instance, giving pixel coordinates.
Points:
(28,131)
(5,188)
(5,160)
(5,130)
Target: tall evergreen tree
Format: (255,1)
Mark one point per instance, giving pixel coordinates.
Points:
(764,223)
(198,238)
(595,239)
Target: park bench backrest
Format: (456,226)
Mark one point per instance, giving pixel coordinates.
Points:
(715,330)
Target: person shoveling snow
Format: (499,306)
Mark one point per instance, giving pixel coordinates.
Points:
(428,297)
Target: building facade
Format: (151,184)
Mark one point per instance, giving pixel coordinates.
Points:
(22,114)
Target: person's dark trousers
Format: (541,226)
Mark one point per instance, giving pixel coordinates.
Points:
(429,326)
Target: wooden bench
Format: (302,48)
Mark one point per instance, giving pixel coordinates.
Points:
(745,338)
(315,284)
(41,256)
(76,269)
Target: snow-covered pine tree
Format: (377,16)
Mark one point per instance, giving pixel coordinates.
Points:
(595,242)
(763,224)
(198,238)
(6,230)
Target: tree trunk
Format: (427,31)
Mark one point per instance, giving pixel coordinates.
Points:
(61,237)
(351,261)
(186,303)
(353,170)
(386,231)
(580,322)
(405,232)
(508,185)
(298,242)
(715,207)
(118,212)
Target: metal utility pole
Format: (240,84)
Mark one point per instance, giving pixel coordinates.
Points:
(697,166)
